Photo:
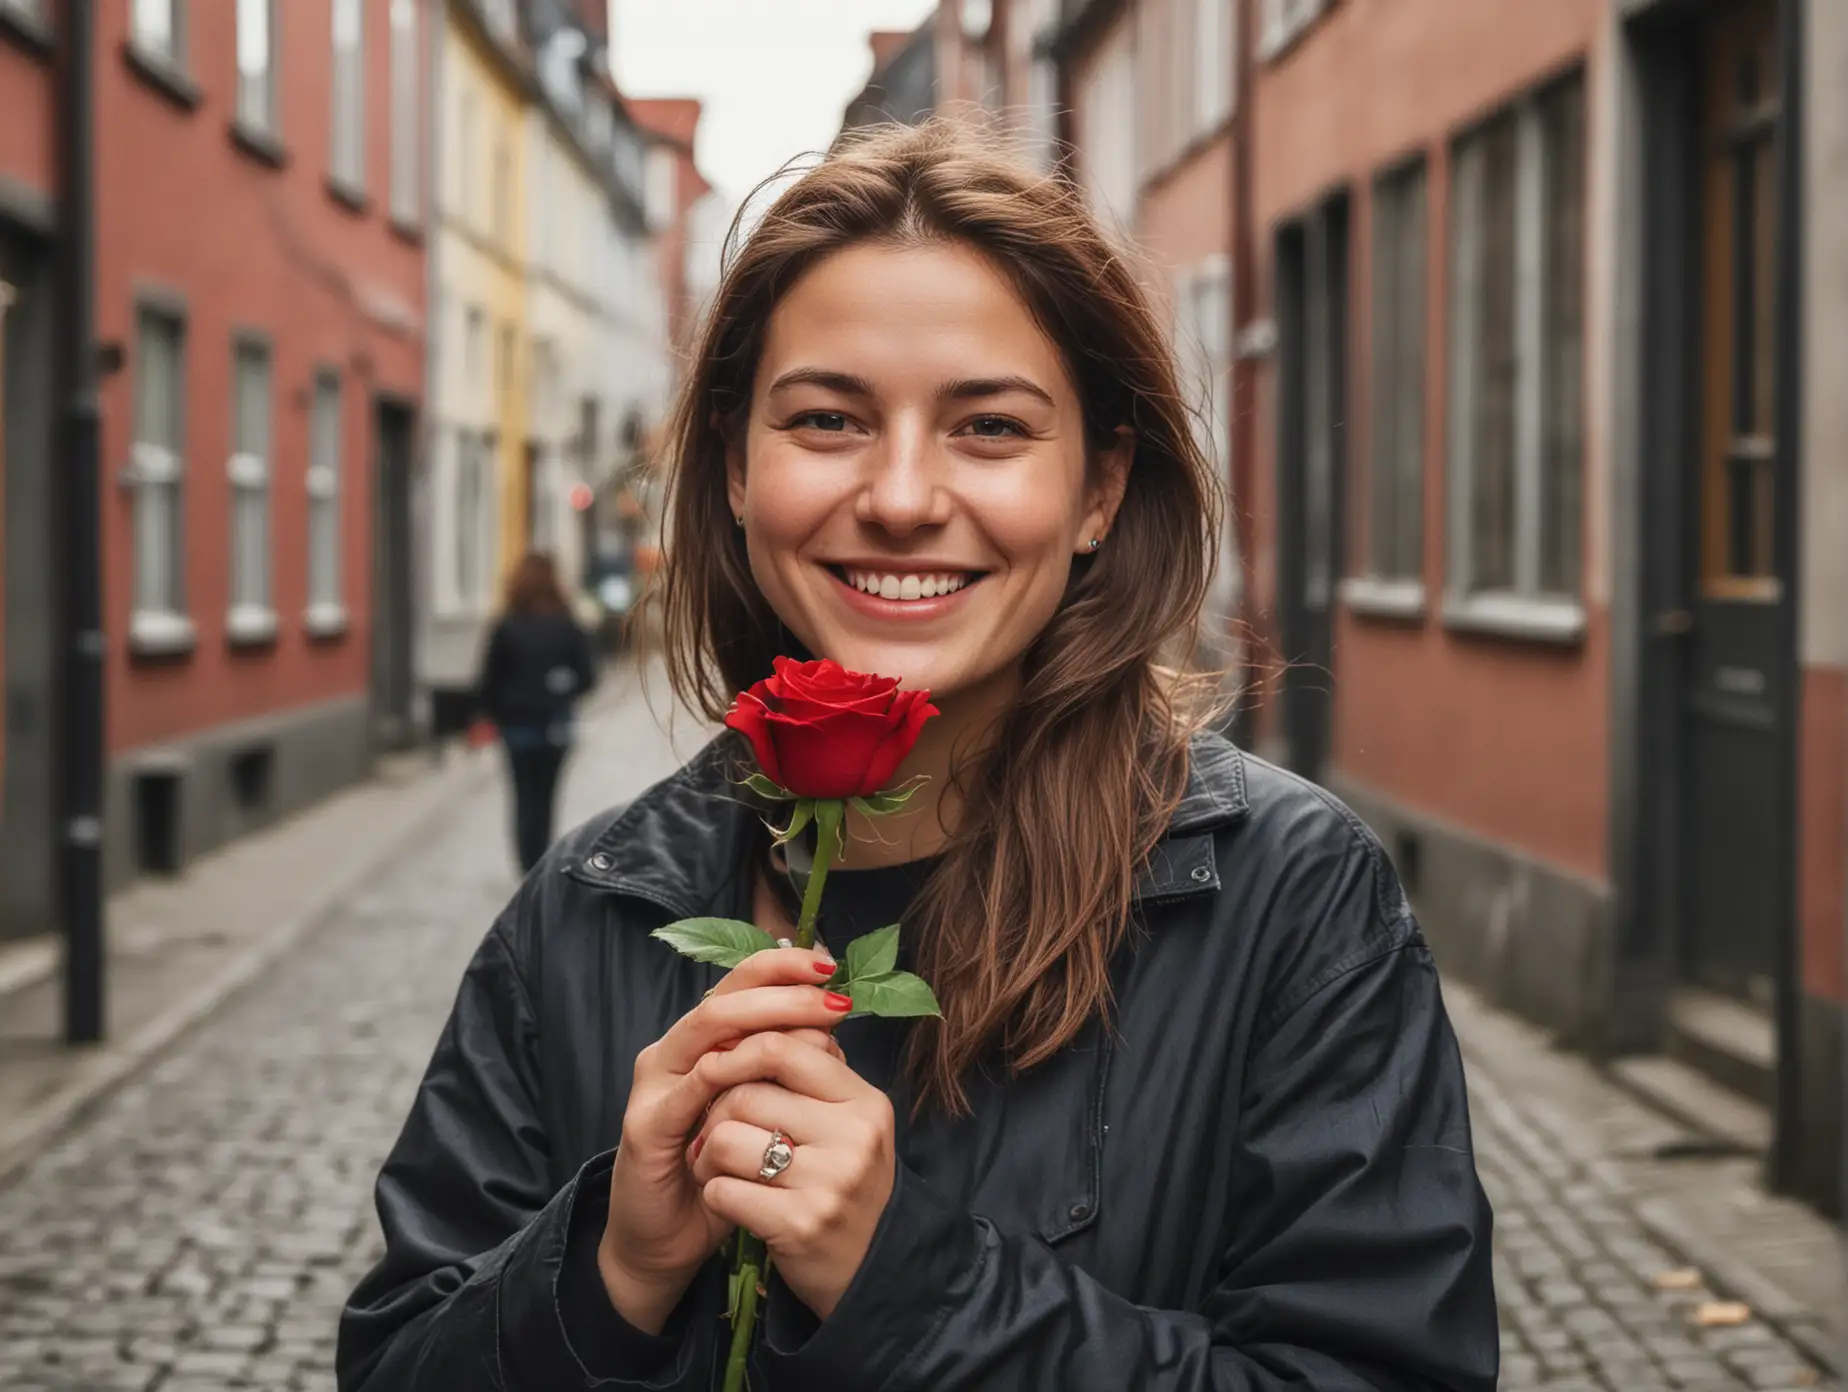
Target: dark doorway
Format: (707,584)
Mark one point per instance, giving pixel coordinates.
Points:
(392,601)
(1736,674)
(27,645)
(1312,385)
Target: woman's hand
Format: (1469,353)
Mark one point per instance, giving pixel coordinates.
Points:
(659,1233)
(817,1217)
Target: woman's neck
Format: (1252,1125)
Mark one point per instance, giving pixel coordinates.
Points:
(954,740)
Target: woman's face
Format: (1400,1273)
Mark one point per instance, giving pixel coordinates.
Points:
(913,477)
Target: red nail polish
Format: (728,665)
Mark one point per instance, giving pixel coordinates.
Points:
(698,1142)
(836,1001)
(825,968)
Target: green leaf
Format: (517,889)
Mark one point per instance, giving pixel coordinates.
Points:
(891,800)
(874,954)
(764,787)
(892,995)
(798,822)
(724,942)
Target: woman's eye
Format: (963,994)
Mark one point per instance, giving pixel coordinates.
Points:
(832,421)
(995,427)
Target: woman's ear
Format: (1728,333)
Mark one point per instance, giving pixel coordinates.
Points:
(1109,477)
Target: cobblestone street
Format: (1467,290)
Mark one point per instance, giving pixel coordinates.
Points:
(200,1228)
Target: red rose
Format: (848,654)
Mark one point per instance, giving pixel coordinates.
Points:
(824,732)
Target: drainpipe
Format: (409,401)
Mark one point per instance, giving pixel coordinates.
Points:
(1787,1145)
(79,748)
(1244,365)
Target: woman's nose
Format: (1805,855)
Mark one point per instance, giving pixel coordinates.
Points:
(903,491)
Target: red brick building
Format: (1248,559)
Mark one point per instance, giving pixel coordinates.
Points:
(1539,498)
(28,402)
(259,170)
(674,186)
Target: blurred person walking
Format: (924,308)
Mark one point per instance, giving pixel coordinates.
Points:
(537,665)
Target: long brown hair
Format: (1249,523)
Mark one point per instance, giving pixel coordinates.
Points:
(1017,927)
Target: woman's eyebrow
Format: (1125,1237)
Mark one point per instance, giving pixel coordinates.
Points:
(973,388)
(843,382)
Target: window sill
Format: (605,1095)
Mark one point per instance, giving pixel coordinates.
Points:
(1526,618)
(250,626)
(155,633)
(325,621)
(30,32)
(1371,597)
(350,197)
(260,144)
(160,73)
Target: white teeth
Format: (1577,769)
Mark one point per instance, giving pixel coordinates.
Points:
(905,587)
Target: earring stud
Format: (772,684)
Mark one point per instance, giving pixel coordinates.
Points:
(1096,542)
(740,519)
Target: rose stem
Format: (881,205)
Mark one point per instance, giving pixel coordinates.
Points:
(752,1256)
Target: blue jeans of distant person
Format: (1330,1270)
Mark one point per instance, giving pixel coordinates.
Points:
(535,755)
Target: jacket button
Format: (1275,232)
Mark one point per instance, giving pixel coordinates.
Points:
(601,862)
(1201,874)
(1078,1212)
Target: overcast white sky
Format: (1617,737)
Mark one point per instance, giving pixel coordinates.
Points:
(774,74)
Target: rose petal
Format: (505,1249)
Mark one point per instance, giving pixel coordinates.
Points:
(908,714)
(826,758)
(751,718)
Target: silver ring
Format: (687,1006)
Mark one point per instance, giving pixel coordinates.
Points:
(785,942)
(777,1156)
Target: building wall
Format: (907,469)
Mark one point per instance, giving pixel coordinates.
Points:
(28,135)
(1466,730)
(330,286)
(479,242)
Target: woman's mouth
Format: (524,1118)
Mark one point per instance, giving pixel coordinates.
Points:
(904,586)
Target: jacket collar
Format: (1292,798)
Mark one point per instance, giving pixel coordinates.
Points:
(680,844)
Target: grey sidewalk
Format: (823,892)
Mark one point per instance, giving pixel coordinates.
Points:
(1629,1196)
(178,949)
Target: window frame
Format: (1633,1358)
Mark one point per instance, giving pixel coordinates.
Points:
(406,63)
(1398,360)
(346,124)
(250,618)
(1523,607)
(159,625)
(269,121)
(326,614)
(174,53)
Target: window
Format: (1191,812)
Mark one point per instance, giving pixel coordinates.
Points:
(464,185)
(1516,428)
(1203,333)
(405,136)
(504,367)
(349,96)
(158,27)
(1215,37)
(503,194)
(156,472)
(256,64)
(1284,21)
(660,193)
(324,598)
(502,22)
(1395,483)
(251,617)
(1108,110)
(474,455)
(474,361)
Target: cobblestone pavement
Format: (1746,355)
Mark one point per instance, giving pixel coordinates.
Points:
(200,1229)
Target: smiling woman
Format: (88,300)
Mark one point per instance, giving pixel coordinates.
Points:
(1193,1117)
